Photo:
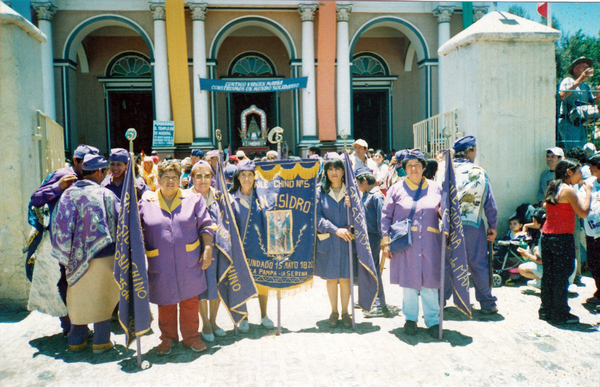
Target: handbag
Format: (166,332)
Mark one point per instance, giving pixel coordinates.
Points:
(400,232)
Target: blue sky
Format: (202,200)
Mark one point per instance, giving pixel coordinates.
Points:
(572,16)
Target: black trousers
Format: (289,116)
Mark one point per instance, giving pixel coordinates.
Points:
(558,259)
(593,260)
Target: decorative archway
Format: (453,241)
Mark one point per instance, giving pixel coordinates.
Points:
(72,47)
(418,46)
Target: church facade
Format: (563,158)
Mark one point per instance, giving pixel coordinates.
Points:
(371,69)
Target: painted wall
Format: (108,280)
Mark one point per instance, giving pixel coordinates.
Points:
(20,97)
(502,80)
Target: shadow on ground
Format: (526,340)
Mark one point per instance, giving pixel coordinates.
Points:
(455,338)
(452,313)
(12,315)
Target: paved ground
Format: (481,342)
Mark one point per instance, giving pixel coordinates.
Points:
(513,348)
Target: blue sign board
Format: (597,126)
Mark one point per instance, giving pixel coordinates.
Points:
(246,86)
(163,133)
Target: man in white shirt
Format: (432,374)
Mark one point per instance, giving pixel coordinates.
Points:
(359,158)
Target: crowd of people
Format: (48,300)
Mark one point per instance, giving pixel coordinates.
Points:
(179,217)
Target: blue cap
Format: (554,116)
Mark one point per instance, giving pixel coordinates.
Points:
(94,162)
(83,150)
(400,155)
(414,154)
(332,156)
(119,154)
(229,171)
(198,153)
(363,171)
(246,165)
(463,143)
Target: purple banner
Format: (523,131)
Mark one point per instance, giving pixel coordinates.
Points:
(456,253)
(235,284)
(130,265)
(368,285)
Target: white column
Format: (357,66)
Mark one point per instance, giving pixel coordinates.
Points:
(45,12)
(344,110)
(162,100)
(201,126)
(309,98)
(478,13)
(443,14)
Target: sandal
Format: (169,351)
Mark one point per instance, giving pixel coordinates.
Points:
(333,319)
(347,320)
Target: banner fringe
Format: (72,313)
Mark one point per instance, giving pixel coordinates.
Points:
(287,292)
(288,174)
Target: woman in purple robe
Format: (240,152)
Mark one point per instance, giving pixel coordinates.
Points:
(178,237)
(331,260)
(201,177)
(244,196)
(417,269)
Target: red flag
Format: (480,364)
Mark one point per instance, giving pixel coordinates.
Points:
(542,9)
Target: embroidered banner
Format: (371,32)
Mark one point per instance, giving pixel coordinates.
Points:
(280,236)
(368,283)
(235,280)
(130,265)
(456,254)
(253,86)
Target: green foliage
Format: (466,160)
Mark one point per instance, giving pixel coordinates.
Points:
(572,47)
(519,11)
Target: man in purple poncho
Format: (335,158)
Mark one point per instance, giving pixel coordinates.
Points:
(49,193)
(83,241)
(476,198)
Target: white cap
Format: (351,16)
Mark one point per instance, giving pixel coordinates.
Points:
(556,151)
(589,149)
(360,142)
(272,152)
(240,154)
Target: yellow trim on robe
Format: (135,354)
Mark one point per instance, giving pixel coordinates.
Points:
(193,246)
(413,187)
(413,228)
(435,230)
(176,201)
(322,237)
(341,195)
(152,253)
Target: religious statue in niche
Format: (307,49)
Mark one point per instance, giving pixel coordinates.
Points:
(253,134)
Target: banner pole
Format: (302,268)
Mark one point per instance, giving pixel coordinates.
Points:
(442,293)
(344,135)
(139,351)
(278,312)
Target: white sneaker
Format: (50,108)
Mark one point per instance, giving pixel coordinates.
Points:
(266,322)
(535,283)
(244,326)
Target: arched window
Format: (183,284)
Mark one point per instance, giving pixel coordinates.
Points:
(129,65)
(369,65)
(251,65)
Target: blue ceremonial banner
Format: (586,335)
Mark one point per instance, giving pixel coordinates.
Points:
(280,235)
(130,265)
(368,285)
(235,283)
(264,86)
(456,253)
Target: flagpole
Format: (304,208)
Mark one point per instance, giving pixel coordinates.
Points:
(344,136)
(549,17)
(442,295)
(279,313)
(131,135)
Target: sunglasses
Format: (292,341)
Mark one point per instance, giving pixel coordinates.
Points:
(199,176)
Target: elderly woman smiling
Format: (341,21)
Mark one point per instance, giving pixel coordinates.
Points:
(417,269)
(202,176)
(178,236)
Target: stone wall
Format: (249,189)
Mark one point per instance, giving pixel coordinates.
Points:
(21,95)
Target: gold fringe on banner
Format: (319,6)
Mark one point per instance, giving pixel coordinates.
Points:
(288,174)
(287,292)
